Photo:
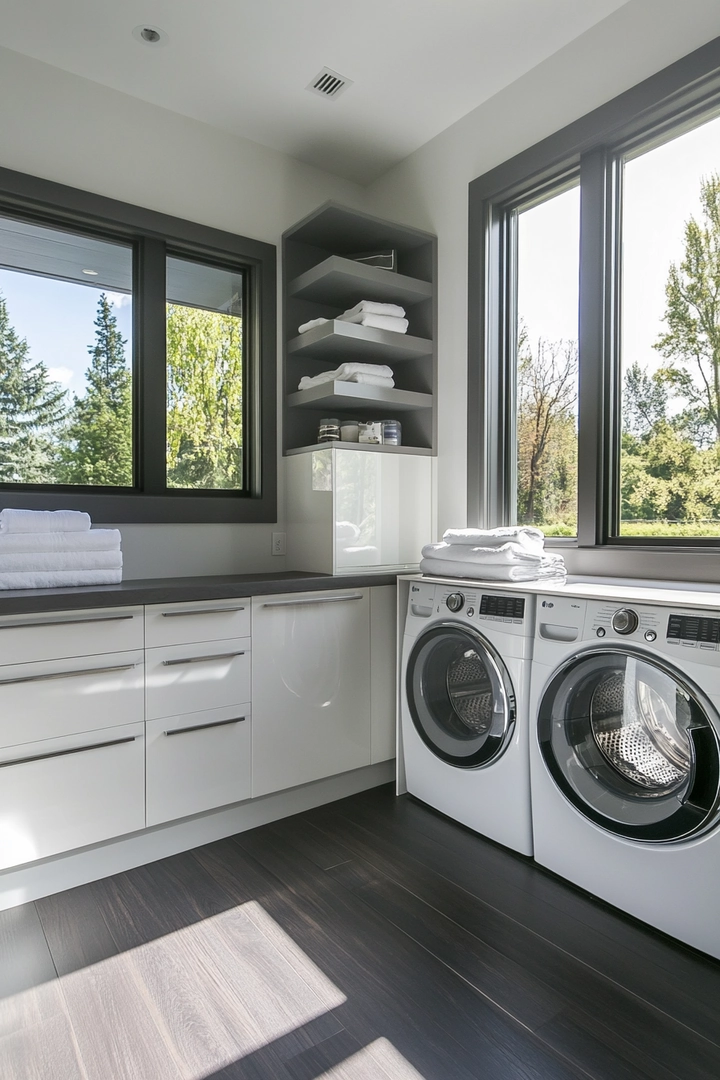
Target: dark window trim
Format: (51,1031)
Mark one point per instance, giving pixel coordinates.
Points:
(674,98)
(153,233)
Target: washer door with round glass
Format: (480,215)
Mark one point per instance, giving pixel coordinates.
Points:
(632,746)
(460,696)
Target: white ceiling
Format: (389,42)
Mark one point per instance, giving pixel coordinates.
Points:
(243,65)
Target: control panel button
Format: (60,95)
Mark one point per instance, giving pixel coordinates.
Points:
(650,635)
(624,621)
(455,601)
(470,612)
(600,631)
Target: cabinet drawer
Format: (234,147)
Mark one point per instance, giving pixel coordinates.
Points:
(193,678)
(196,762)
(206,620)
(53,636)
(64,697)
(62,794)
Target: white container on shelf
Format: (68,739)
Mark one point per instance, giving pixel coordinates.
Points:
(357,509)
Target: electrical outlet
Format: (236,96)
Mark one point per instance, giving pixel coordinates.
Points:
(278,544)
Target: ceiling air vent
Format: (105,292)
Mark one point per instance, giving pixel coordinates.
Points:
(328,84)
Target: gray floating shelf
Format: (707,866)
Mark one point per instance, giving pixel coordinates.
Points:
(341,282)
(344,341)
(372,448)
(346,395)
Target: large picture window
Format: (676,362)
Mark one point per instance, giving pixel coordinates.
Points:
(137,361)
(594,356)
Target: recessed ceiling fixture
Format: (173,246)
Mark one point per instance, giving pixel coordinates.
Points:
(147,34)
(92,273)
(328,84)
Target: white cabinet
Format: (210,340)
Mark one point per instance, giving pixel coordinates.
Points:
(311,687)
(354,511)
(198,707)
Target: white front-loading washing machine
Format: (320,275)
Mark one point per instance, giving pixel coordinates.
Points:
(625,757)
(465,679)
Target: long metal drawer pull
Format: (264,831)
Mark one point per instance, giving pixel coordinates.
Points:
(64,753)
(200,611)
(312,600)
(68,674)
(205,727)
(65,622)
(201,659)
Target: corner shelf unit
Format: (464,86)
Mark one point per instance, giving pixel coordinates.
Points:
(320,281)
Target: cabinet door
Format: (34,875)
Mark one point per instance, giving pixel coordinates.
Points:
(311,687)
(383,624)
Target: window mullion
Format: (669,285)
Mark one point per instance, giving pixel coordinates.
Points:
(151,411)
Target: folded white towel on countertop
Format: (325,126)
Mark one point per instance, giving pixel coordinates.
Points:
(377,322)
(93,540)
(59,579)
(546,570)
(526,535)
(374,307)
(34,521)
(346,373)
(311,325)
(42,561)
(506,555)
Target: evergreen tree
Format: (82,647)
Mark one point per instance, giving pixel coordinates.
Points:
(98,437)
(32,410)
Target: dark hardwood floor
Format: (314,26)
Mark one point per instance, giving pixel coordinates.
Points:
(371,938)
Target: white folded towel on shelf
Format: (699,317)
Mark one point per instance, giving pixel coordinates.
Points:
(46,521)
(508,554)
(526,535)
(59,579)
(42,561)
(377,322)
(552,568)
(93,540)
(348,373)
(374,307)
(311,325)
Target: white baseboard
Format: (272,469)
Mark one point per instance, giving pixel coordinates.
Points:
(47,876)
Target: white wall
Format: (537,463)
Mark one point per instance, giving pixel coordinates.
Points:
(64,128)
(430,190)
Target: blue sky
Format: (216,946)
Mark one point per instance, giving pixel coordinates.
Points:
(57,319)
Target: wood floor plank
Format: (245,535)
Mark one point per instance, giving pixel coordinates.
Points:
(30,1007)
(485,1038)
(26,959)
(44,1051)
(76,933)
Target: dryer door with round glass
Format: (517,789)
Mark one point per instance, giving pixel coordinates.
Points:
(460,696)
(632,746)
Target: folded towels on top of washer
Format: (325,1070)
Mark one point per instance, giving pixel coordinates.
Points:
(504,555)
(367,313)
(370,374)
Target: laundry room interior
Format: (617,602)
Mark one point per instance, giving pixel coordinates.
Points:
(359,540)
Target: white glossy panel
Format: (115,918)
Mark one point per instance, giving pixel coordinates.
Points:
(311,687)
(310,511)
(382,510)
(192,678)
(63,802)
(54,635)
(189,771)
(61,697)
(382,671)
(205,620)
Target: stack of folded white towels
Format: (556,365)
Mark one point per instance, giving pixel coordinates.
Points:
(368,313)
(508,554)
(369,374)
(49,549)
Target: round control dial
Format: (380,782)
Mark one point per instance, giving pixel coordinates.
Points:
(455,601)
(624,621)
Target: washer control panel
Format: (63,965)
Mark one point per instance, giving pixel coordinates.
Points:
(501,612)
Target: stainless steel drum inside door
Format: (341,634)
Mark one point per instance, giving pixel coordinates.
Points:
(632,745)
(460,696)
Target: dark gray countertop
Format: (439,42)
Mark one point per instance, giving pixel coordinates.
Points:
(179,590)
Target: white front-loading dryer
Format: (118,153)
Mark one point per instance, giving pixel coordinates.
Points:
(465,679)
(625,757)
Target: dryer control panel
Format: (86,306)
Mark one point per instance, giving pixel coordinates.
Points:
(501,612)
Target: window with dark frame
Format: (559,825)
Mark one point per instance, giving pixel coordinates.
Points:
(641,377)
(137,361)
